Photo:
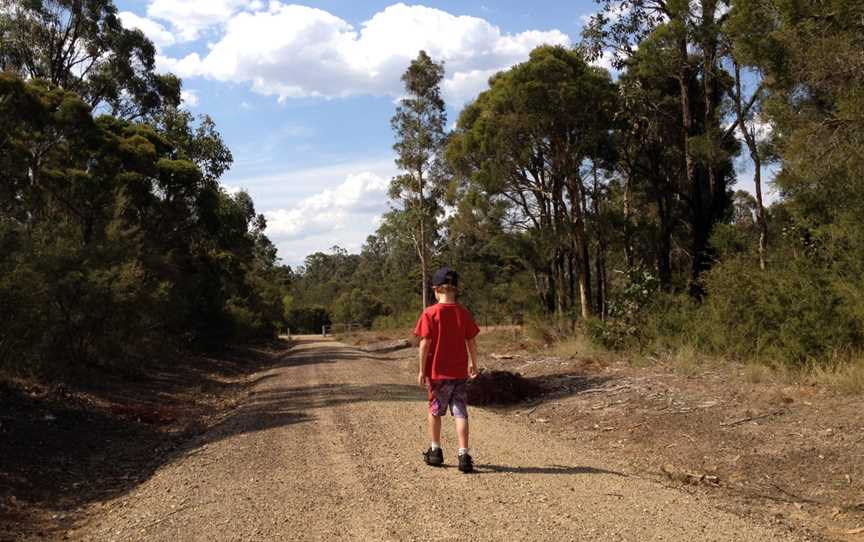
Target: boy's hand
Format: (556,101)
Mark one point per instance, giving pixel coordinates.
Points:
(421,379)
(472,371)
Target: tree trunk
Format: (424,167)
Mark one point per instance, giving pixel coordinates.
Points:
(424,251)
(577,209)
(709,55)
(760,211)
(696,196)
(628,222)
(664,248)
(753,146)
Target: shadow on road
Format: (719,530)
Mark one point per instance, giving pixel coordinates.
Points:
(551,469)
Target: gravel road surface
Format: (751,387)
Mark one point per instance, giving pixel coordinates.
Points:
(328,447)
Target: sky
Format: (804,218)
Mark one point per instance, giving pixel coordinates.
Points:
(303,93)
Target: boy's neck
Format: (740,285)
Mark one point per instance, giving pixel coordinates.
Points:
(447,298)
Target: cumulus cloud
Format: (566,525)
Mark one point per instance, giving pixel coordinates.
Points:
(759,126)
(331,210)
(296,51)
(189,98)
(613,13)
(158,34)
(342,215)
(189,18)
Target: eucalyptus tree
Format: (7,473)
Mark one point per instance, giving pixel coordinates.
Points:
(690,31)
(419,125)
(810,55)
(526,141)
(82,46)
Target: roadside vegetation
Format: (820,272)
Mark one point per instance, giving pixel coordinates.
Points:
(118,244)
(611,208)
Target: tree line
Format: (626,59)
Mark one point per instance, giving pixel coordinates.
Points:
(118,244)
(571,195)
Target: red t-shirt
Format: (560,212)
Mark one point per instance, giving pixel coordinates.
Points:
(447,326)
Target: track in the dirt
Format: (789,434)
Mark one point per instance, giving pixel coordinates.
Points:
(328,447)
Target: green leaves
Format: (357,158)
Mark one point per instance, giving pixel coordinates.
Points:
(117,244)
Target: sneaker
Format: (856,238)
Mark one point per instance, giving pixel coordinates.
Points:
(434,457)
(466,464)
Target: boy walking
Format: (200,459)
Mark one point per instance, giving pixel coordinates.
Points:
(447,338)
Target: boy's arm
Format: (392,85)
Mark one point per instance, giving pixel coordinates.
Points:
(472,351)
(424,353)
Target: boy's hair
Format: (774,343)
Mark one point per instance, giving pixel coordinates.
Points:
(445,288)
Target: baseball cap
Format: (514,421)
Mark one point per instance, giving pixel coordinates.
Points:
(445,275)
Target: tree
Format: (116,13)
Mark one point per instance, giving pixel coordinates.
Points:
(419,126)
(116,247)
(690,32)
(526,141)
(81,46)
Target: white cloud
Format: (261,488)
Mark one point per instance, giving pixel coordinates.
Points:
(189,18)
(272,187)
(760,127)
(189,98)
(295,51)
(606,60)
(157,33)
(343,215)
(613,13)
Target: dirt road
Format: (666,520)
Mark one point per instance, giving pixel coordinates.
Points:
(328,447)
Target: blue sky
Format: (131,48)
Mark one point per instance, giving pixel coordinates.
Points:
(303,93)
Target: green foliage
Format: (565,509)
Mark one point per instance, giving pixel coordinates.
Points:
(357,306)
(117,247)
(307,319)
(82,47)
(792,314)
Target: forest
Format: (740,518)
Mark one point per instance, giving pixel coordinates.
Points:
(572,198)
(118,244)
(609,202)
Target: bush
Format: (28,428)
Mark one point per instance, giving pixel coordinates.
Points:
(308,319)
(405,319)
(790,314)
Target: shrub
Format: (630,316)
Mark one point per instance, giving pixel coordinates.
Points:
(790,314)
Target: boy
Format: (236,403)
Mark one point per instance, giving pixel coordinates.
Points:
(447,336)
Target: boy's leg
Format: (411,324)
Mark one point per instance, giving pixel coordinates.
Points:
(459,409)
(461,432)
(434,428)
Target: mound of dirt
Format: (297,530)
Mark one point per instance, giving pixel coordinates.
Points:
(501,388)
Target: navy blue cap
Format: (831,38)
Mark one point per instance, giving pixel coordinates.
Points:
(447,276)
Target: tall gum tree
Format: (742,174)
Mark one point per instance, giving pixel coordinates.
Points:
(691,30)
(419,127)
(526,141)
(82,46)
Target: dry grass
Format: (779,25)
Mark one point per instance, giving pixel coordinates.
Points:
(843,378)
(687,361)
(504,339)
(577,346)
(757,373)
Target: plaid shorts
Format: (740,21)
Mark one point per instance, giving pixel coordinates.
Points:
(448,393)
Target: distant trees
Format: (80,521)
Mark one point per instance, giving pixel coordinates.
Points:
(568,196)
(118,243)
(536,140)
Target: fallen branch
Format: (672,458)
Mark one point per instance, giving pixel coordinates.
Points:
(384,348)
(749,419)
(606,390)
(689,477)
(504,356)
